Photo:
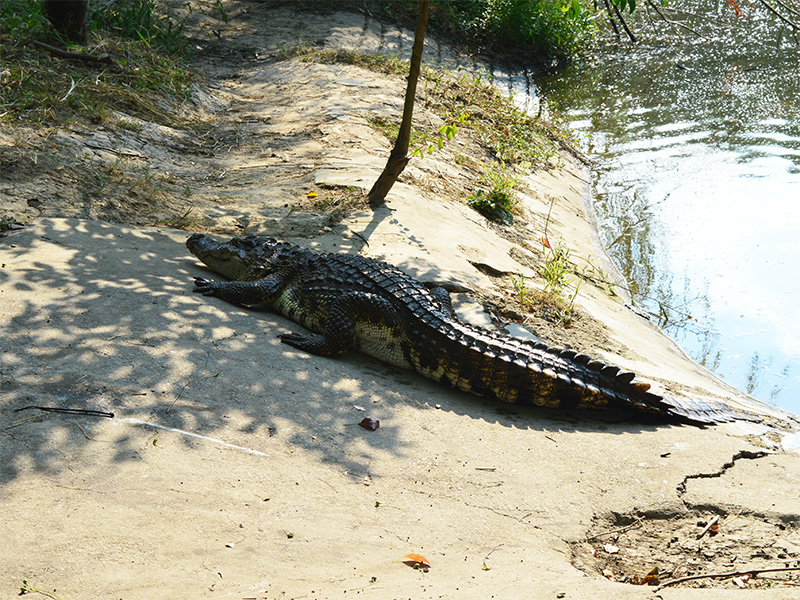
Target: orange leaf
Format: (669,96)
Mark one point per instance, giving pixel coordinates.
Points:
(735,7)
(545,242)
(652,578)
(416,560)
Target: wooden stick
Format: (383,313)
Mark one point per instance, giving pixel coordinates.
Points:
(636,525)
(725,575)
(790,23)
(105,59)
(713,521)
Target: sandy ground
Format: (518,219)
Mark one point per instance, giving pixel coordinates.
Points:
(234,467)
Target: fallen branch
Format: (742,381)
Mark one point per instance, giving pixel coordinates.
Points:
(788,8)
(725,575)
(611,18)
(105,59)
(631,37)
(70,411)
(771,9)
(674,24)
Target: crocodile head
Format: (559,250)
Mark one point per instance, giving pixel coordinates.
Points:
(242,259)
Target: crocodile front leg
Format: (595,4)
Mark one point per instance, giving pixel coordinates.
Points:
(248,293)
(359,320)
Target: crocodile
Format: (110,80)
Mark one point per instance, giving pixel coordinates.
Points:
(352,301)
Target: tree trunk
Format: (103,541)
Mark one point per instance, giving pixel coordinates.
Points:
(398,159)
(68,18)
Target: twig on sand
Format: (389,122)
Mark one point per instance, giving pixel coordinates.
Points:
(713,521)
(635,525)
(485,558)
(725,575)
(69,411)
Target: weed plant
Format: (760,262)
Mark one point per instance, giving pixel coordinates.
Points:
(495,199)
(143,46)
(556,271)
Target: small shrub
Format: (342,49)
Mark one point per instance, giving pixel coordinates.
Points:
(495,199)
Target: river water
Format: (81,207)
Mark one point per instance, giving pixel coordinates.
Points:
(696,161)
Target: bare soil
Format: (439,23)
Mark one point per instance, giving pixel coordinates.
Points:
(669,546)
(242,157)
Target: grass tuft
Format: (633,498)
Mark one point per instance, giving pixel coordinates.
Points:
(144,72)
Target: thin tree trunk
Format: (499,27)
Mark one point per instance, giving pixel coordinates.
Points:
(398,159)
(68,18)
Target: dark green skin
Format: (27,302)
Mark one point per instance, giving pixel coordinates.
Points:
(351,301)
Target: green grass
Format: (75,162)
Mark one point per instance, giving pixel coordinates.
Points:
(464,101)
(145,48)
(495,198)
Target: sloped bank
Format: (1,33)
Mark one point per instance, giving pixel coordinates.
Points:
(235,466)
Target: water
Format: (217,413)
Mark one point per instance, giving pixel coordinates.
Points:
(696,146)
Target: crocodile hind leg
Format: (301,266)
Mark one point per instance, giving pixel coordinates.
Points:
(445,303)
(354,320)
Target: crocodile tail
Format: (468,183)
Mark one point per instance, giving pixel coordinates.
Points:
(704,412)
(600,385)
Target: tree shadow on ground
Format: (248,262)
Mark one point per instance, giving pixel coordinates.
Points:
(103,317)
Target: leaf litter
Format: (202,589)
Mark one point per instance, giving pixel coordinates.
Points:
(699,550)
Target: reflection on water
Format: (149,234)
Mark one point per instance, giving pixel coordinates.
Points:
(697,191)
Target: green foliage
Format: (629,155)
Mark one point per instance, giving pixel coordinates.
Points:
(544,28)
(445,134)
(495,199)
(522,292)
(494,121)
(22,17)
(630,4)
(555,271)
(462,101)
(146,21)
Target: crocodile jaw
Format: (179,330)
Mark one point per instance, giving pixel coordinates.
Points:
(226,259)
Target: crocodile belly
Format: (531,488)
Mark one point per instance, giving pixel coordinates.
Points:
(383,342)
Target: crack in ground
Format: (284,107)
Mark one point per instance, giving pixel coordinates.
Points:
(741,455)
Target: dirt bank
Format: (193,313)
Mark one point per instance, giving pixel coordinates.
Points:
(234,466)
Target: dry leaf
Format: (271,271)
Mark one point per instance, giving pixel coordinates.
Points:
(416,560)
(742,581)
(369,423)
(610,548)
(652,577)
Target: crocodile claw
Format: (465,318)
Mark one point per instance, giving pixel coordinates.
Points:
(207,287)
